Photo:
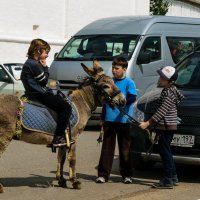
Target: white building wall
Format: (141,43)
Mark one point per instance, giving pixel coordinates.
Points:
(18,17)
(79,14)
(21,21)
(56,21)
(179,8)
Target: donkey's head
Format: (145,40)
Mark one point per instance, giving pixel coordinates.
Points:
(104,86)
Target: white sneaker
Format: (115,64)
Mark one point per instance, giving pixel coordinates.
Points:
(100,180)
(128,180)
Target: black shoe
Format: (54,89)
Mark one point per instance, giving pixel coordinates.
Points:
(59,141)
(166,183)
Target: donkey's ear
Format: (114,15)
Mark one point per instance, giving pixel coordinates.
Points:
(96,64)
(97,67)
(89,71)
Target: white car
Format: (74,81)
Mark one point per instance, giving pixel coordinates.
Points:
(10,82)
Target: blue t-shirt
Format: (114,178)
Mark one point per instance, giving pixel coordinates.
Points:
(127,87)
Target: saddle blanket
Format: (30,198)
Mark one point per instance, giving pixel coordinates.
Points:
(42,119)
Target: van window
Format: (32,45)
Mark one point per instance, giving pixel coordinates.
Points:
(3,75)
(102,47)
(189,72)
(152,46)
(181,47)
(15,69)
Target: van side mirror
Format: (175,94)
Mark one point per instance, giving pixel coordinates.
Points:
(55,55)
(18,68)
(143,58)
(6,79)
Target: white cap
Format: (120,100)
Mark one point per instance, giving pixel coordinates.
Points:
(168,73)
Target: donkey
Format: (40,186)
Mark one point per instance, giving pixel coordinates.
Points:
(97,87)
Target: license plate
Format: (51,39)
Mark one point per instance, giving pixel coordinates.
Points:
(183,140)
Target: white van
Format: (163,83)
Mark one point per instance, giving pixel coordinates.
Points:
(147,42)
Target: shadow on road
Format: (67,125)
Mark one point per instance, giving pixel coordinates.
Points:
(92,128)
(186,173)
(32,181)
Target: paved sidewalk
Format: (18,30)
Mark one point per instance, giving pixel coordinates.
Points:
(28,173)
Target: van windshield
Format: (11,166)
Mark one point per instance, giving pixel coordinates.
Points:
(101,47)
(189,72)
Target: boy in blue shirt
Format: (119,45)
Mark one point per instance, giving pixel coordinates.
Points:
(115,124)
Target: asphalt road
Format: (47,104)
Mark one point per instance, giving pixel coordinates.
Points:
(28,173)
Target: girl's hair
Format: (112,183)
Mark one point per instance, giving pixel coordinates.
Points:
(37,45)
(121,61)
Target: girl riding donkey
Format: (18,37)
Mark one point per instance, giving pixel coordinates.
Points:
(34,77)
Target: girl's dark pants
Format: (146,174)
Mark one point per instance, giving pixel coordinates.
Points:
(61,107)
(165,152)
(122,131)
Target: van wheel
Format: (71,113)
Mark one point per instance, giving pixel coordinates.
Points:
(140,164)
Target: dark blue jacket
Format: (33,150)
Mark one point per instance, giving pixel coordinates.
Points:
(34,77)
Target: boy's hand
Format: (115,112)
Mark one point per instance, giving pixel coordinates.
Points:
(43,62)
(144,125)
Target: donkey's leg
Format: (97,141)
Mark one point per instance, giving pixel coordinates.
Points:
(61,161)
(1,188)
(72,167)
(5,140)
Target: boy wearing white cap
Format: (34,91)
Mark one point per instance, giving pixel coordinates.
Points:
(165,123)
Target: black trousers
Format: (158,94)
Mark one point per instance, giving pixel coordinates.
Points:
(61,107)
(164,142)
(122,131)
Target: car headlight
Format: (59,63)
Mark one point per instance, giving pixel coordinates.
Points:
(138,115)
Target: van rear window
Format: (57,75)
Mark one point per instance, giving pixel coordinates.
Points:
(180,47)
(101,47)
(189,72)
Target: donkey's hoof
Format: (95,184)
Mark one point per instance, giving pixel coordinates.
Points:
(62,183)
(1,188)
(76,185)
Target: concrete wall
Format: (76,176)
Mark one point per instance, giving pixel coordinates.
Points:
(21,21)
(78,14)
(56,21)
(184,8)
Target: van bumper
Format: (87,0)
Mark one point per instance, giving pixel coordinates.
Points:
(178,159)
